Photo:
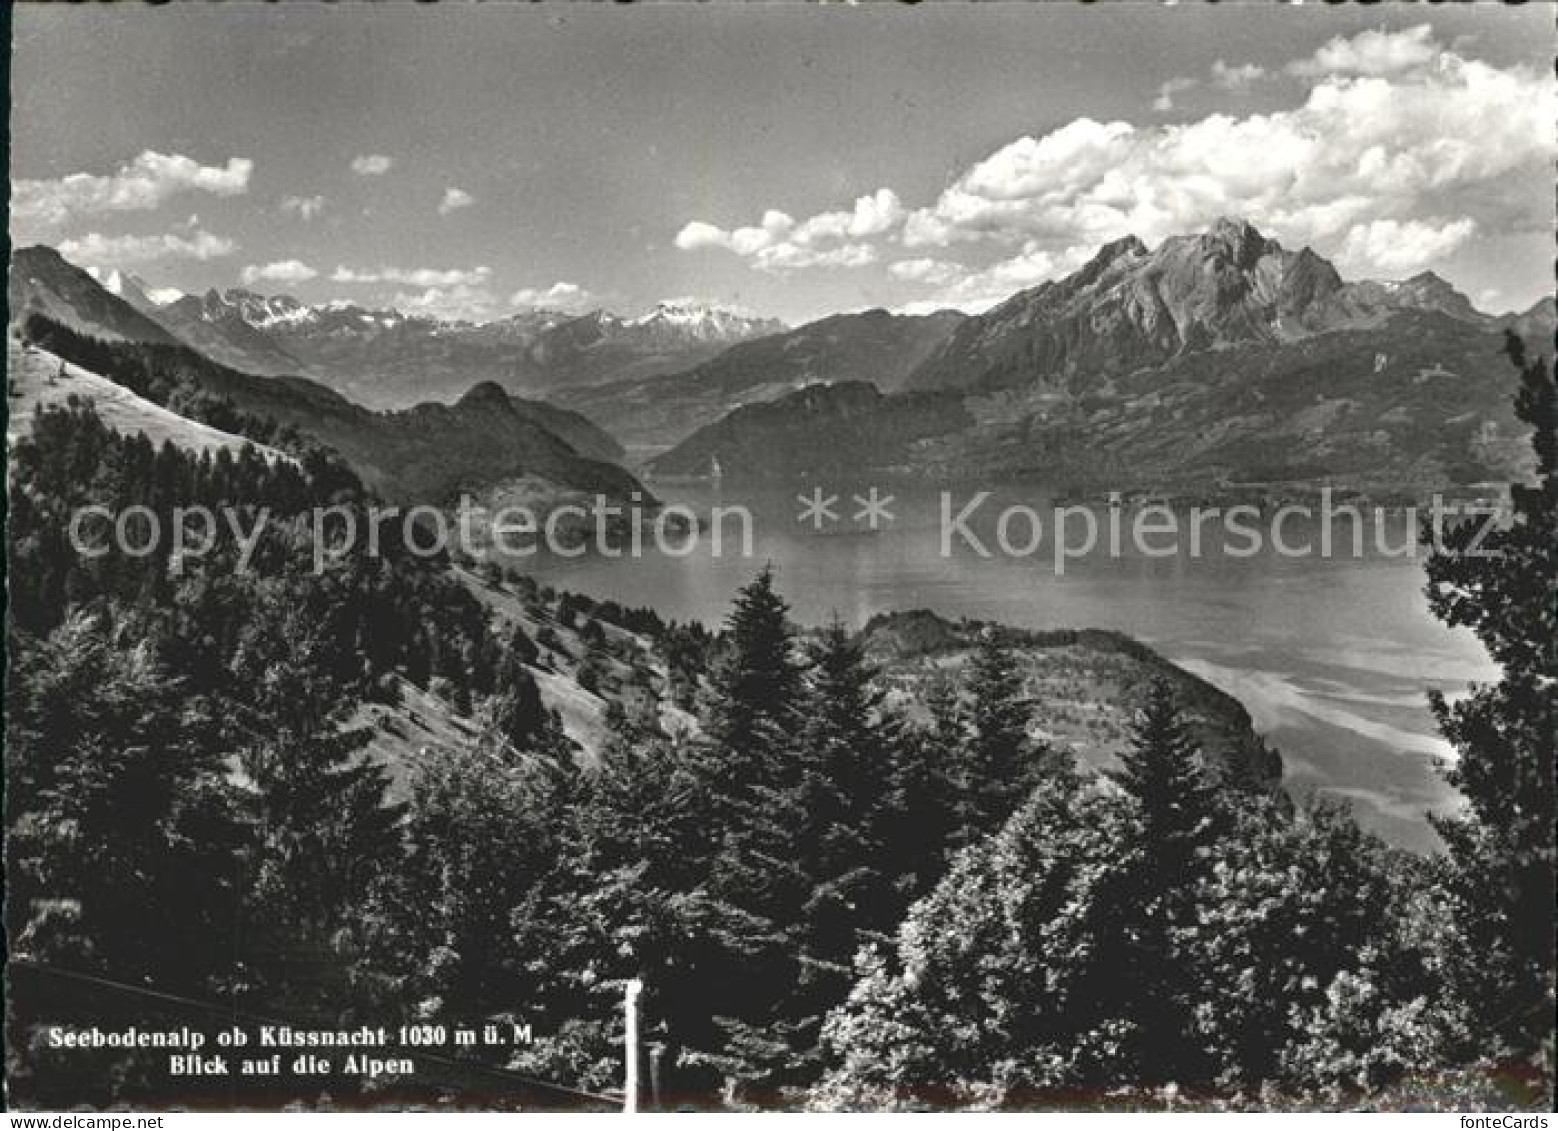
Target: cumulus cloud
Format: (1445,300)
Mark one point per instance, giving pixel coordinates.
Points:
(939,271)
(778,243)
(976,289)
(457,301)
(415,277)
(303,207)
(559,296)
(1025,187)
(454,199)
(281,271)
(138,185)
(1165,99)
(96,249)
(1454,138)
(1238,77)
(1395,247)
(372,165)
(1373,52)
(1396,152)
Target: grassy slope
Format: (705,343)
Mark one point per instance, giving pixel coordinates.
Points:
(35,381)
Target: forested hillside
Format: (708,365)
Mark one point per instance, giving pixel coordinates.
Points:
(852,869)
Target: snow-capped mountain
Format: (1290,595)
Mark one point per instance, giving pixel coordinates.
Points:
(704,322)
(138,292)
(230,327)
(387,358)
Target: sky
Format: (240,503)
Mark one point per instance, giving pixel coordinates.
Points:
(793,161)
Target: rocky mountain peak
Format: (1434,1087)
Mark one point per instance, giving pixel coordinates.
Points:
(1235,233)
(1129,308)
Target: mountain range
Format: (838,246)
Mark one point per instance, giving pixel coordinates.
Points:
(1130,308)
(1217,360)
(488,443)
(384,358)
(650,415)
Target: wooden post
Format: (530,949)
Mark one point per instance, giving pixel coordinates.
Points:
(655,1052)
(630,1006)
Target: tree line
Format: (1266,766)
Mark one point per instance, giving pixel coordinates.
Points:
(832,902)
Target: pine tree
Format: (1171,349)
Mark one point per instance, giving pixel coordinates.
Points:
(1501,851)
(757,683)
(323,827)
(829,823)
(746,774)
(122,835)
(1177,821)
(1176,800)
(997,762)
(515,713)
(629,903)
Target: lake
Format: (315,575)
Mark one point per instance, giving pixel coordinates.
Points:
(1332,656)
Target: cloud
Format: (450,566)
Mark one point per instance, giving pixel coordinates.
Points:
(1373,52)
(1440,136)
(372,165)
(454,199)
(1165,99)
(1394,247)
(1236,77)
(559,296)
(1396,151)
(939,271)
(137,186)
(976,289)
(459,301)
(1019,190)
(785,257)
(773,228)
(281,271)
(303,207)
(109,251)
(779,244)
(415,277)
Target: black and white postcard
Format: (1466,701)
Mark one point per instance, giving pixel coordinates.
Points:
(781,557)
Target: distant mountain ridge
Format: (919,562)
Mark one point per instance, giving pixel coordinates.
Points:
(487,444)
(383,357)
(1218,357)
(1129,307)
(873,346)
(820,430)
(1219,361)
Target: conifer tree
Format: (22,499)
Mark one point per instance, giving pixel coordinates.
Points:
(747,773)
(997,762)
(121,827)
(829,823)
(1504,587)
(323,827)
(1176,822)
(1175,799)
(757,683)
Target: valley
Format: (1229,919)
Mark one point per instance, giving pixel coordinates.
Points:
(1218,367)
